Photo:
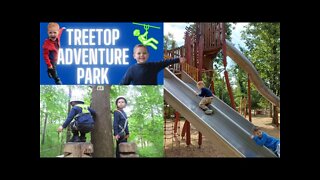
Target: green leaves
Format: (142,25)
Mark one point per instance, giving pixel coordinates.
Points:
(263,41)
(54,101)
(169,42)
(145,117)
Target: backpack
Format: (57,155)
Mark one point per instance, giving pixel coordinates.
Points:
(85,111)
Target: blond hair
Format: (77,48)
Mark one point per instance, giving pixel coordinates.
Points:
(256,128)
(139,45)
(200,83)
(53,24)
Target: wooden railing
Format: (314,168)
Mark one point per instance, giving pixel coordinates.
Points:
(191,71)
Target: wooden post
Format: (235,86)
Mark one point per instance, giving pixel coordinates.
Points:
(101,136)
(78,149)
(128,150)
(188,47)
(224,50)
(186,131)
(200,139)
(188,140)
(183,132)
(200,48)
(177,119)
(275,114)
(249,99)
(212,86)
(233,104)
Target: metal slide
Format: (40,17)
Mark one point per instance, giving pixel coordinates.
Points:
(226,127)
(248,67)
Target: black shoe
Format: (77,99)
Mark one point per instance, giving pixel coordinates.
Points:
(82,139)
(204,109)
(58,82)
(74,139)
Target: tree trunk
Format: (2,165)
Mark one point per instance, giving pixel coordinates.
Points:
(61,144)
(270,110)
(102,138)
(41,117)
(141,141)
(68,137)
(44,128)
(275,116)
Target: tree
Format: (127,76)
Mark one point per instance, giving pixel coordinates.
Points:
(145,117)
(102,137)
(53,102)
(44,128)
(263,42)
(169,42)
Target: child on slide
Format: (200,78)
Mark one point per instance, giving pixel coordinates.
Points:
(207,97)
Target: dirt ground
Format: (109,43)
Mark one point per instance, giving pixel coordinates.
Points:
(175,146)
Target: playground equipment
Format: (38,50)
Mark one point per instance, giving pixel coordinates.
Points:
(248,67)
(128,150)
(171,128)
(226,127)
(77,149)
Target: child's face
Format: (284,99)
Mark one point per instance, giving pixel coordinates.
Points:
(53,32)
(140,55)
(121,103)
(258,133)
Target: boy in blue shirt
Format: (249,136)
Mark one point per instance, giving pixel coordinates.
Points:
(84,120)
(145,73)
(263,139)
(207,97)
(120,123)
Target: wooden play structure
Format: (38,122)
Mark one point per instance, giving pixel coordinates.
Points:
(77,149)
(203,42)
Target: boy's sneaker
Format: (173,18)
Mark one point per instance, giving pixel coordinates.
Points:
(209,111)
(82,139)
(74,139)
(58,82)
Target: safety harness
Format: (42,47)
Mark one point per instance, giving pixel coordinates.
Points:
(84,108)
(125,123)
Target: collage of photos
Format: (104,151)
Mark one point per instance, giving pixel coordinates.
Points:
(159,90)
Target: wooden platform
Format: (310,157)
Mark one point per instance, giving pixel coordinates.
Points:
(128,150)
(78,149)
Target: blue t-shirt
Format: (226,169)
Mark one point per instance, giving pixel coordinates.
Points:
(268,141)
(205,92)
(145,73)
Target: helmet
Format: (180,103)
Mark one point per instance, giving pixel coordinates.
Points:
(76,98)
(120,97)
